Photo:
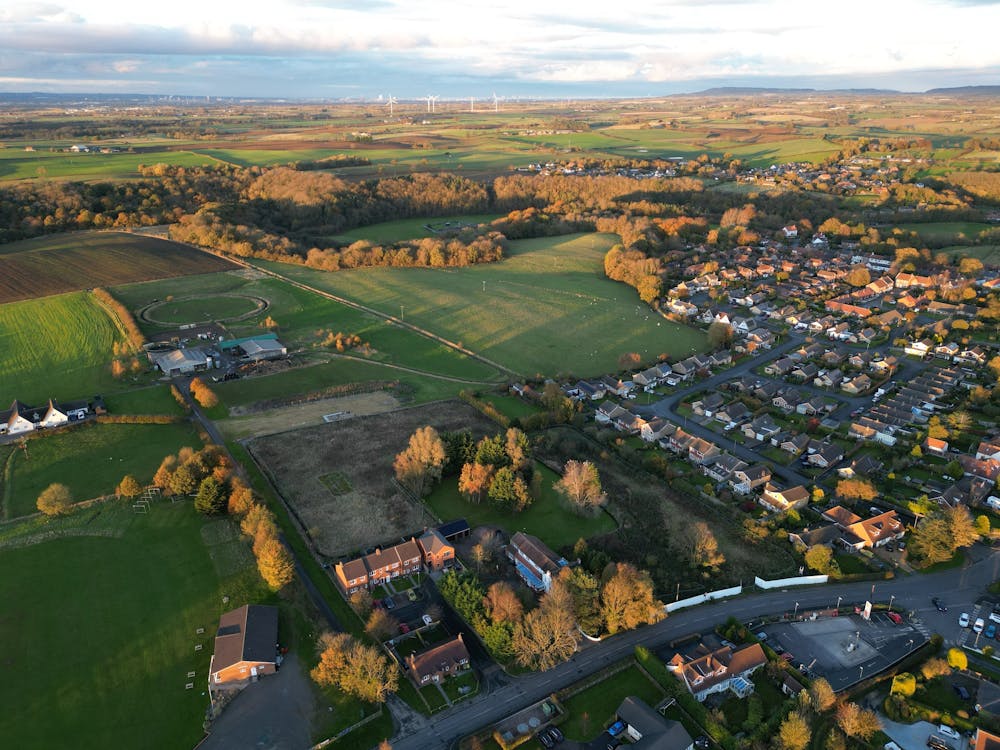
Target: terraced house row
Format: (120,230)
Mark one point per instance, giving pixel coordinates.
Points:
(431,552)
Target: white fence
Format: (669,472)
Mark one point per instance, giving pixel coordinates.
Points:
(781,582)
(710,596)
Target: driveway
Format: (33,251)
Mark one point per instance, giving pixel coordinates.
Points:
(273,714)
(915,735)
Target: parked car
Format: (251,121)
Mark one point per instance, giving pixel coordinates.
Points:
(938,605)
(617,728)
(389,603)
(702,743)
(978,625)
(963,620)
(411,595)
(945,731)
(427,619)
(556,735)
(991,631)
(961,692)
(404,628)
(543,737)
(936,742)
(895,617)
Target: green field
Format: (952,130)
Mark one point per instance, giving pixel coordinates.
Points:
(23,165)
(302,314)
(409,229)
(99,632)
(82,260)
(593,709)
(547,309)
(202,309)
(57,347)
(988,254)
(156,399)
(91,460)
(547,518)
(944,232)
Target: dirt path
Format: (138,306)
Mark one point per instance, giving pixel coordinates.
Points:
(306,415)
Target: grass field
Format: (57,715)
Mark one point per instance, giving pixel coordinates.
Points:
(156,399)
(988,254)
(409,229)
(57,347)
(548,308)
(946,231)
(21,165)
(202,309)
(301,315)
(593,709)
(91,460)
(99,632)
(547,518)
(82,260)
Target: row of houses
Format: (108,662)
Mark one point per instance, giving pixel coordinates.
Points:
(431,551)
(21,418)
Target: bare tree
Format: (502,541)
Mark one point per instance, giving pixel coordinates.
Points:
(704,548)
(581,486)
(474,480)
(422,460)
(502,604)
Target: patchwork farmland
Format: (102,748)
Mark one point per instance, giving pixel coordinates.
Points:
(69,262)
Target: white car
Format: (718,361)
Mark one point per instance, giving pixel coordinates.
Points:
(963,620)
(979,625)
(947,731)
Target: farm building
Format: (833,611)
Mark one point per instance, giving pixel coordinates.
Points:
(180,361)
(255,348)
(246,645)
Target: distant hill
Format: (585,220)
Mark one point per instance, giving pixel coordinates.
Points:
(980,90)
(756,91)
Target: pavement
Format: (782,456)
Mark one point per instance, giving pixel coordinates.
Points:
(276,713)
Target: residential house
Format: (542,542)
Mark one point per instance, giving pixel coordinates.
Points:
(788,401)
(679,441)
(246,646)
(715,670)
(733,414)
(608,412)
(721,468)
(868,533)
(805,372)
(829,379)
(648,378)
(701,450)
(590,391)
(745,479)
(649,730)
(935,447)
(794,444)
(975,355)
(857,385)
(380,566)
(826,456)
(761,428)
(865,466)
(617,386)
(534,561)
(438,662)
(947,350)
(656,429)
(919,348)
(779,367)
(781,501)
(883,366)
(815,405)
(707,406)
(987,450)
(436,551)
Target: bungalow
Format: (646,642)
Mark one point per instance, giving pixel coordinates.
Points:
(245,646)
(879,530)
(708,670)
(438,662)
(826,456)
(974,356)
(794,444)
(779,367)
(864,465)
(649,730)
(815,405)
(781,501)
(592,391)
(761,428)
(708,405)
(919,348)
(733,414)
(617,386)
(805,372)
(787,401)
(748,478)
(857,385)
(947,350)
(608,412)
(935,446)
(646,378)
(829,379)
(883,366)
(534,561)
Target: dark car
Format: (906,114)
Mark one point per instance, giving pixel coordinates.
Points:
(938,605)
(702,743)
(543,737)
(555,735)
(961,692)
(388,602)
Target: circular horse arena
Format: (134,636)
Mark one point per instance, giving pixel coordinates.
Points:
(218,308)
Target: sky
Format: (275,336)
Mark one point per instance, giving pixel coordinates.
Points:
(363,49)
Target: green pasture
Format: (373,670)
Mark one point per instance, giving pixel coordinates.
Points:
(24,165)
(100,631)
(547,309)
(988,254)
(56,347)
(947,231)
(301,316)
(91,460)
(203,309)
(409,229)
(547,517)
(155,399)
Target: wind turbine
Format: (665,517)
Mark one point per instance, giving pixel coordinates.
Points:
(428,100)
(392,100)
(472,104)
(434,103)
(496,102)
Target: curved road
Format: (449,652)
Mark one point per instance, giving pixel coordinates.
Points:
(913,592)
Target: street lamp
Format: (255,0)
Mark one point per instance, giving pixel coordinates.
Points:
(873,592)
(796,610)
(890,601)
(862,671)
(838,603)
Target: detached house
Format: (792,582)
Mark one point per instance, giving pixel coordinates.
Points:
(708,671)
(648,730)
(438,662)
(745,479)
(780,501)
(761,428)
(245,646)
(534,561)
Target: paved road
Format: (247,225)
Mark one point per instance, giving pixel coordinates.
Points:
(911,593)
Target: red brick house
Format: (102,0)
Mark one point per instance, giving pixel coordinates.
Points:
(437,553)
(431,551)
(245,645)
(438,662)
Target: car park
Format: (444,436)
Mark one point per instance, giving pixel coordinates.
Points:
(978,625)
(963,620)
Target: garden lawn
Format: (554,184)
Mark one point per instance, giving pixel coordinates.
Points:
(57,347)
(99,632)
(592,710)
(511,407)
(851,564)
(91,460)
(547,308)
(547,517)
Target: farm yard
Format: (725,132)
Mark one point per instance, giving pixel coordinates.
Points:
(362,451)
(547,309)
(56,347)
(82,260)
(90,459)
(103,624)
